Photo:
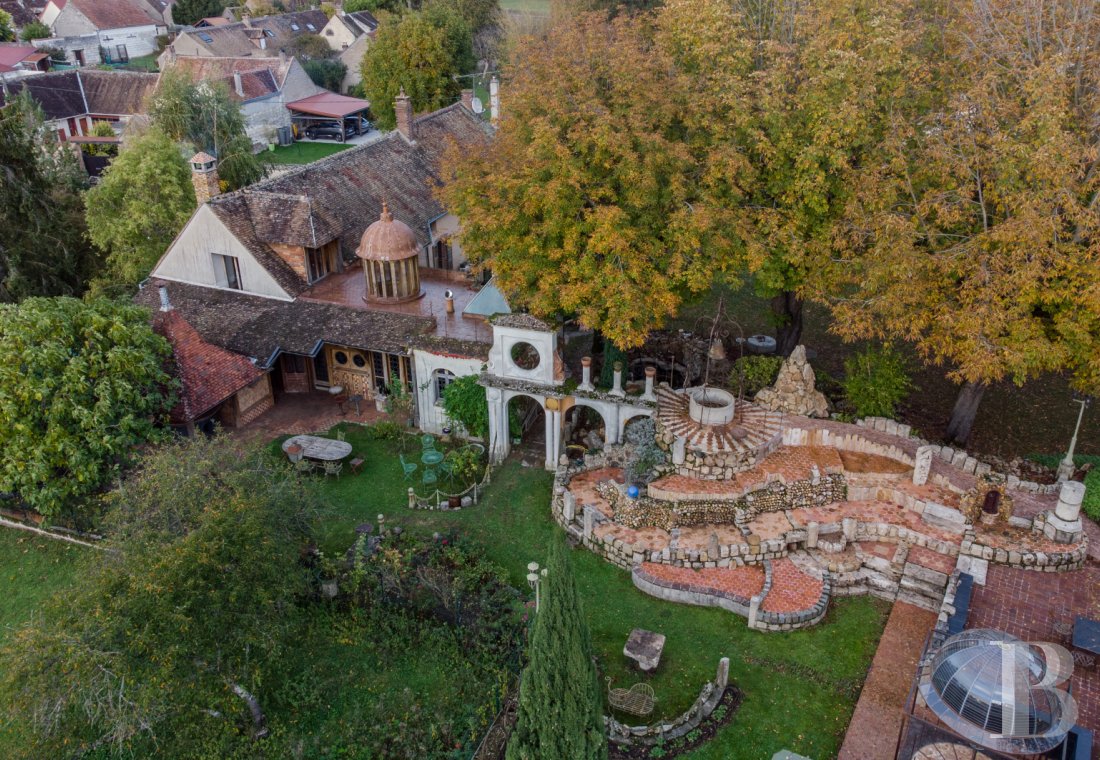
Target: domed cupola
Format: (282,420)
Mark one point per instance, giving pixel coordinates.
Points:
(389,252)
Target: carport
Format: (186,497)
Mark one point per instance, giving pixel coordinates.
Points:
(328,107)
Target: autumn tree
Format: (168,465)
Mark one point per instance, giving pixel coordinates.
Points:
(44,245)
(593,199)
(122,222)
(205,116)
(975,236)
(83,387)
(420,53)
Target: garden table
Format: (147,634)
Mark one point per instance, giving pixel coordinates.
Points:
(316,447)
(430,458)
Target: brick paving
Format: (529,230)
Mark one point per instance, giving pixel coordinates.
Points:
(872,512)
(743,582)
(943,563)
(792,590)
(769,525)
(1027,604)
(876,723)
(584,485)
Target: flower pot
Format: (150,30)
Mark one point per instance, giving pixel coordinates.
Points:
(294,453)
(454,502)
(380,403)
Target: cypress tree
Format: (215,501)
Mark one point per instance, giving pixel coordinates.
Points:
(560,703)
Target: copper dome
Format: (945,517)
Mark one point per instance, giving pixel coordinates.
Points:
(387,240)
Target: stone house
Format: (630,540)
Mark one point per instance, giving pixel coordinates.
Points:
(329,276)
(261,37)
(102,31)
(263,87)
(349,34)
(74,100)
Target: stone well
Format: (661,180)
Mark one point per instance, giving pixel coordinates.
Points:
(710,406)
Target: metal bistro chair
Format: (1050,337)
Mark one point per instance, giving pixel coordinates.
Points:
(341,435)
(304,466)
(333,468)
(447,467)
(408,467)
(427,442)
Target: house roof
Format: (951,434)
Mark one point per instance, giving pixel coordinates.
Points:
(10,54)
(345,193)
(22,12)
(329,104)
(260,77)
(64,94)
(262,328)
(208,374)
(235,39)
(359,22)
(212,21)
(112,14)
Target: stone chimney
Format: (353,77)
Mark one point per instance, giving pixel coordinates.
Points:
(468,99)
(406,125)
(204,177)
(165,304)
(237,84)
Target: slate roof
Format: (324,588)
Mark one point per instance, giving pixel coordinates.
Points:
(235,39)
(261,328)
(208,374)
(359,22)
(22,11)
(63,94)
(260,77)
(112,14)
(345,193)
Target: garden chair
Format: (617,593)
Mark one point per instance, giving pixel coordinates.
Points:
(448,468)
(304,466)
(333,468)
(341,435)
(408,467)
(427,442)
(638,699)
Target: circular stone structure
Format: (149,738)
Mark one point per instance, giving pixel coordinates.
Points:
(710,406)
(388,251)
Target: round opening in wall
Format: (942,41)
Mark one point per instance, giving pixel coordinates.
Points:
(341,357)
(525,356)
(359,361)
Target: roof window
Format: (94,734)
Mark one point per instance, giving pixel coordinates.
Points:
(295,27)
(311,27)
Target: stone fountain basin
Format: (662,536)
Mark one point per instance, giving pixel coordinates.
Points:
(710,406)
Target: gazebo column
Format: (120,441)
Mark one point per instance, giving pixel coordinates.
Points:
(552,408)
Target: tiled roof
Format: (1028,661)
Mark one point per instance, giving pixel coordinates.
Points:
(261,328)
(208,374)
(11,54)
(345,192)
(117,93)
(260,77)
(446,346)
(112,14)
(235,39)
(63,94)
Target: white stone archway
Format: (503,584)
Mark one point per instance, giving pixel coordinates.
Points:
(628,414)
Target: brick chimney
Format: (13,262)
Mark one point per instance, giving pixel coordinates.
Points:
(405,123)
(204,176)
(238,85)
(468,99)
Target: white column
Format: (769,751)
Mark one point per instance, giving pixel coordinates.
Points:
(499,442)
(586,375)
(612,428)
(1069,500)
(617,387)
(551,461)
(494,99)
(650,377)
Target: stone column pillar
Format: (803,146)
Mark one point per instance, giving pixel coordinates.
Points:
(551,435)
(586,375)
(568,506)
(923,465)
(613,432)
(589,521)
(1070,498)
(499,442)
(813,530)
(650,377)
(723,676)
(617,386)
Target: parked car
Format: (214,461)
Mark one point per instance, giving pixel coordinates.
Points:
(364,125)
(329,130)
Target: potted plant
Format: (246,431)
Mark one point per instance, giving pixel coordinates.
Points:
(294,453)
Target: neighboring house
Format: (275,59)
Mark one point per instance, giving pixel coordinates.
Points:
(263,86)
(209,21)
(327,275)
(74,100)
(102,31)
(264,36)
(349,34)
(17,60)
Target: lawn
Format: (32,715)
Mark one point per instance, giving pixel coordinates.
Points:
(303,152)
(528,6)
(32,568)
(143,63)
(800,687)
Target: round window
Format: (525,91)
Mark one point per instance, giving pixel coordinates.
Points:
(341,357)
(525,356)
(359,361)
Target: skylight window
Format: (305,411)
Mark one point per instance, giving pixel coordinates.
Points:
(205,37)
(268,33)
(311,27)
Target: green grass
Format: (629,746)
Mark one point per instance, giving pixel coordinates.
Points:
(529,6)
(302,152)
(144,63)
(32,568)
(800,688)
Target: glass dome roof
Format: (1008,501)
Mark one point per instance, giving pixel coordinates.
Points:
(999,691)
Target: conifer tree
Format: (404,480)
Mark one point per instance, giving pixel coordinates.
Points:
(559,697)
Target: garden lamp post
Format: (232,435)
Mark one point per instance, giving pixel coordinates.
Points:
(1065,468)
(533,581)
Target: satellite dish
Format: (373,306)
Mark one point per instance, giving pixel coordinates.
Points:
(477,106)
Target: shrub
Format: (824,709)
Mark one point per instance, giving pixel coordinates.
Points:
(464,402)
(1091,505)
(875,381)
(759,372)
(385,431)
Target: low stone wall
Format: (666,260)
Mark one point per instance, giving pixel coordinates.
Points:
(946,610)
(1049,562)
(708,699)
(789,621)
(690,594)
(647,511)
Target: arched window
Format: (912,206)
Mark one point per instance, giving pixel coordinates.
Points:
(441,379)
